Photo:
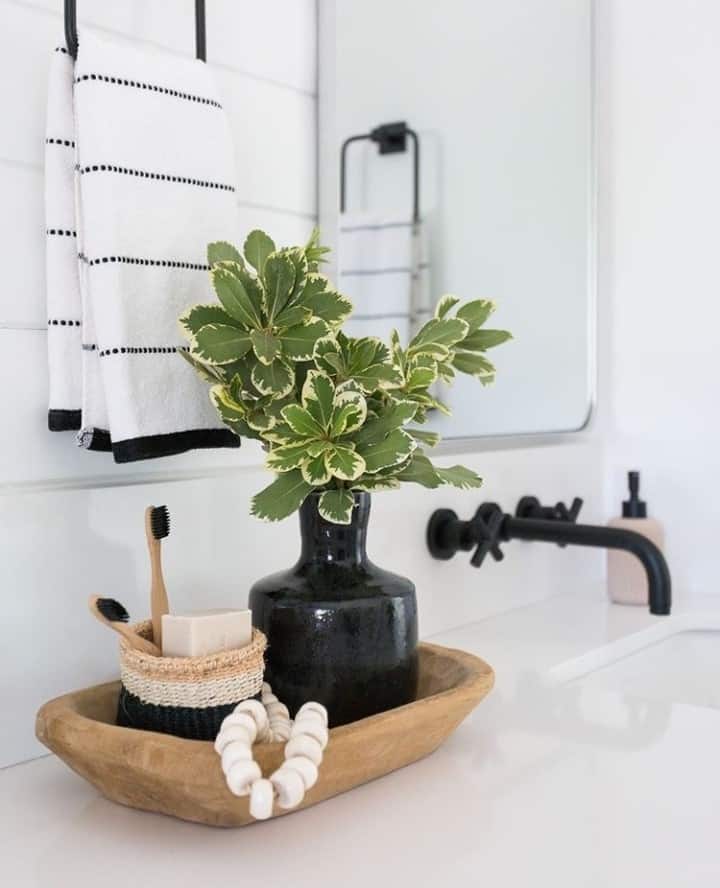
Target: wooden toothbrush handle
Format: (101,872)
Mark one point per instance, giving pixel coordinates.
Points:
(159,604)
(136,641)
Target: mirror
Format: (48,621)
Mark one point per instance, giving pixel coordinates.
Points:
(500,97)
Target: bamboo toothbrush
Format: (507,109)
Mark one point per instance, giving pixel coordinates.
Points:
(115,616)
(157,527)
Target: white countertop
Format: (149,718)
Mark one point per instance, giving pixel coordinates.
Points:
(541,785)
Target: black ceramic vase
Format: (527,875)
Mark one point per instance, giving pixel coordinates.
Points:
(340,630)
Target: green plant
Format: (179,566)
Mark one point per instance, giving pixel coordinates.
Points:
(335,414)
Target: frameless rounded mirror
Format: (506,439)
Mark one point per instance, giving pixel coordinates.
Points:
(500,96)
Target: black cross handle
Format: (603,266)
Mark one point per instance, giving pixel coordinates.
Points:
(531,507)
(447,534)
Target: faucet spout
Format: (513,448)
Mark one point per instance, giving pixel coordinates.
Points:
(565,532)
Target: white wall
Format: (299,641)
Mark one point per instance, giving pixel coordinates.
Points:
(658,72)
(64,535)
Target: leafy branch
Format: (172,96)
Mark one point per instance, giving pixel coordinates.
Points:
(334,413)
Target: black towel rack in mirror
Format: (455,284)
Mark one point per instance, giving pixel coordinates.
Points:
(71,37)
(391,138)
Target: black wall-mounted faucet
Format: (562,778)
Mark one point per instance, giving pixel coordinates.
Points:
(447,534)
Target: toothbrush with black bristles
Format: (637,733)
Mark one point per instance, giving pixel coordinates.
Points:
(157,527)
(115,616)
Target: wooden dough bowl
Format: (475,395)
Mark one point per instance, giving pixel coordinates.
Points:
(182,778)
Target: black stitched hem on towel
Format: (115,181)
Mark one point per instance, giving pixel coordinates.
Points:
(153,446)
(95,439)
(64,420)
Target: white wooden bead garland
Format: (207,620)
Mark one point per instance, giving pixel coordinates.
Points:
(265,721)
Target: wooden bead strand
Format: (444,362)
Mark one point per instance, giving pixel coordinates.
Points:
(265,721)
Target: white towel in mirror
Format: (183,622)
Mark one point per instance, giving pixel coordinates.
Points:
(383,269)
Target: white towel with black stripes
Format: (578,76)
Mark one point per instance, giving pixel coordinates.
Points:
(146,182)
(383,269)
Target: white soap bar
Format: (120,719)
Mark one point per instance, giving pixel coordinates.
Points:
(198,633)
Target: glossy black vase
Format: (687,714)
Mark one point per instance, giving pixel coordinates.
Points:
(340,630)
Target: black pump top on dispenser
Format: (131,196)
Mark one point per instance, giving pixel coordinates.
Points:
(634,507)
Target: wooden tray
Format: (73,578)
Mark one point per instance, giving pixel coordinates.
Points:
(182,778)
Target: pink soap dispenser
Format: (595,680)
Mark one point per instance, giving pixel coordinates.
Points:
(626,577)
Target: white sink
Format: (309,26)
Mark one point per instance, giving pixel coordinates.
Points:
(675,661)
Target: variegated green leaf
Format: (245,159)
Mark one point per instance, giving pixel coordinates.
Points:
(221,251)
(336,506)
(314,251)
(206,371)
(325,302)
(287,457)
(397,352)
(232,414)
(421,372)
(221,397)
(200,316)
(257,247)
(374,484)
(377,376)
(364,352)
(276,379)
(265,345)
(344,463)
(445,304)
(292,316)
(445,371)
(302,422)
(349,414)
(315,471)
(459,476)
(438,332)
(282,434)
(315,448)
(480,340)
(474,364)
(476,313)
(318,395)
(279,279)
(420,471)
(298,343)
(395,416)
(429,439)
(234,298)
(391,451)
(221,344)
(281,498)
(260,420)
(350,385)
(328,355)
(296,255)
(251,283)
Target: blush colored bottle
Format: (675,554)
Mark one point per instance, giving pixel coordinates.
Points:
(626,577)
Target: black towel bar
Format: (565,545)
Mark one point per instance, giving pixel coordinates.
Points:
(71,37)
(391,138)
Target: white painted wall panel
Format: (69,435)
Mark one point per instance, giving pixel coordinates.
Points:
(658,69)
(239,32)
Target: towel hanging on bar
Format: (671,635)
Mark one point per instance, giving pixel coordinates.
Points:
(140,178)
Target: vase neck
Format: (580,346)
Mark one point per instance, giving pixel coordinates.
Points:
(327,543)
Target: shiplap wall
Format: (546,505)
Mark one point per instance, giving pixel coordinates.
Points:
(263,57)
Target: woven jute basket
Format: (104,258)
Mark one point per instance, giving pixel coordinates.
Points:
(186,696)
